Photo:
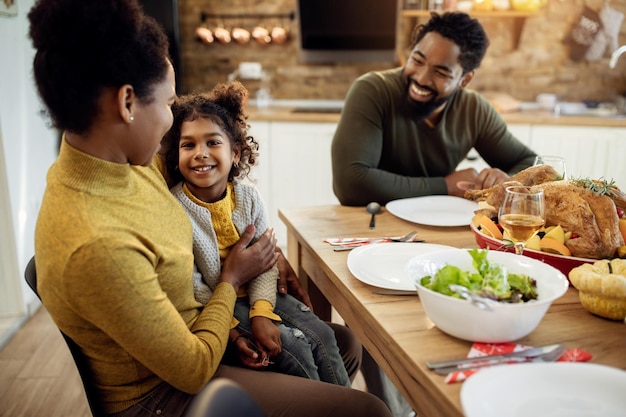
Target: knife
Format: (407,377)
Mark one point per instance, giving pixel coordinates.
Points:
(546,353)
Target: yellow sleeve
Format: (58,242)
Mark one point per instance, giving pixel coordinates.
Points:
(264,308)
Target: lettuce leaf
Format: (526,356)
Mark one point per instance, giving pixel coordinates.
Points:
(490,280)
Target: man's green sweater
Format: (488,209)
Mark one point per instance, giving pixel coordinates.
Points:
(381,153)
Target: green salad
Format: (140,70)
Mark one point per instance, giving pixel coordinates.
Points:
(490,280)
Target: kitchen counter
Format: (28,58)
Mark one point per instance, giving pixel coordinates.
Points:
(328,111)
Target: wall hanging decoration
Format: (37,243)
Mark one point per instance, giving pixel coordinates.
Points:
(583,33)
(8,7)
(606,41)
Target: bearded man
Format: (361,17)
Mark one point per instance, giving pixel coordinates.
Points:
(403,131)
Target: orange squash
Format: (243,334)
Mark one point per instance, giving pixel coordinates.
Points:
(547,244)
(489,228)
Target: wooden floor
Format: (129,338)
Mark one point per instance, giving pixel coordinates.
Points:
(38,377)
(37,374)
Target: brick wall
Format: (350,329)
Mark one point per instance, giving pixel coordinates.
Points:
(540,64)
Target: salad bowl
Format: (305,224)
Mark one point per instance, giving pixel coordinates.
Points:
(505,321)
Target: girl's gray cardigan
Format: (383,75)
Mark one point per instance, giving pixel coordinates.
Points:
(249,209)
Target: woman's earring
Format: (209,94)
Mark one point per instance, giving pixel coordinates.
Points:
(131,118)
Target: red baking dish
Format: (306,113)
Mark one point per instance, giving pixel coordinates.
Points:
(562,263)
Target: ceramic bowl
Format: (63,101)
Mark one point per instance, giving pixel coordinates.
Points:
(505,322)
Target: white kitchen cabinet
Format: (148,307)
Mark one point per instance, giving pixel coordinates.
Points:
(260,174)
(616,163)
(593,152)
(473,159)
(294,167)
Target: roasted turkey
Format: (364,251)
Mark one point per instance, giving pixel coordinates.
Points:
(578,206)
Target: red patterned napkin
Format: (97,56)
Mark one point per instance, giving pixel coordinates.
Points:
(484,349)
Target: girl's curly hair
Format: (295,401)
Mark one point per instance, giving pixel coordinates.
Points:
(224,105)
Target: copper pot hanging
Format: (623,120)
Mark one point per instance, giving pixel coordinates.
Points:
(205,35)
(261,35)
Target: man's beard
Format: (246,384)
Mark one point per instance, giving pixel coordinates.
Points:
(421,110)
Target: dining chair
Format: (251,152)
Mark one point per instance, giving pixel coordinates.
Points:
(220,397)
(30,274)
(223,398)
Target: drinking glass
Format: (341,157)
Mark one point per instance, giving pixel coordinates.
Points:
(522,214)
(555,162)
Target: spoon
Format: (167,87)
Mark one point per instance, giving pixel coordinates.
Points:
(476,300)
(373,209)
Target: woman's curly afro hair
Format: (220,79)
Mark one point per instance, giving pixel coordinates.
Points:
(85,46)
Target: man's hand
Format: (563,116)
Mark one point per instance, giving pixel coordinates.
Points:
(468,179)
(458,179)
(489,177)
(288,282)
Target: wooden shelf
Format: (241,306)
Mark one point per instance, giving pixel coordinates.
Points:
(477,13)
(519,17)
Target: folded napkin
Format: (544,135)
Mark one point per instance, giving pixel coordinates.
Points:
(357,241)
(484,349)
(360,241)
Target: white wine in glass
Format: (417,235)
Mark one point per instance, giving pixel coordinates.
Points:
(522,214)
(555,162)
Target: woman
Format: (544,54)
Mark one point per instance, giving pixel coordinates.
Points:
(113,247)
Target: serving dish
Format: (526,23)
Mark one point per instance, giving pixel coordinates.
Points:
(504,322)
(560,262)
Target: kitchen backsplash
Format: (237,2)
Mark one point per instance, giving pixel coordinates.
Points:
(542,63)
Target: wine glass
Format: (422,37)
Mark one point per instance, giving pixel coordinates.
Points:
(522,214)
(555,162)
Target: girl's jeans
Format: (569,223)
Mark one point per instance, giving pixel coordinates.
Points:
(309,348)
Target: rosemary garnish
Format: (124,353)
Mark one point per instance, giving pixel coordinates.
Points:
(600,186)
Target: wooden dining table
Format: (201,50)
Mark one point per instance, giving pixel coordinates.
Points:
(395,329)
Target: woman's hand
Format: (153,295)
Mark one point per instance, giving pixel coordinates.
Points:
(266,336)
(288,282)
(246,261)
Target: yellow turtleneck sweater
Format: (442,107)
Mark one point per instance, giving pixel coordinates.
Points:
(114,260)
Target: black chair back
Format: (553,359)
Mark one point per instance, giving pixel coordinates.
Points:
(223,398)
(30,274)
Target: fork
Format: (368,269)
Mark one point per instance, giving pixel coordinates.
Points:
(406,238)
(546,357)
(409,237)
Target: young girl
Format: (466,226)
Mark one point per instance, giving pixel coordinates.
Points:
(207,150)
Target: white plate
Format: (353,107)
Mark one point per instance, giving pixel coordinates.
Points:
(561,389)
(382,264)
(434,210)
